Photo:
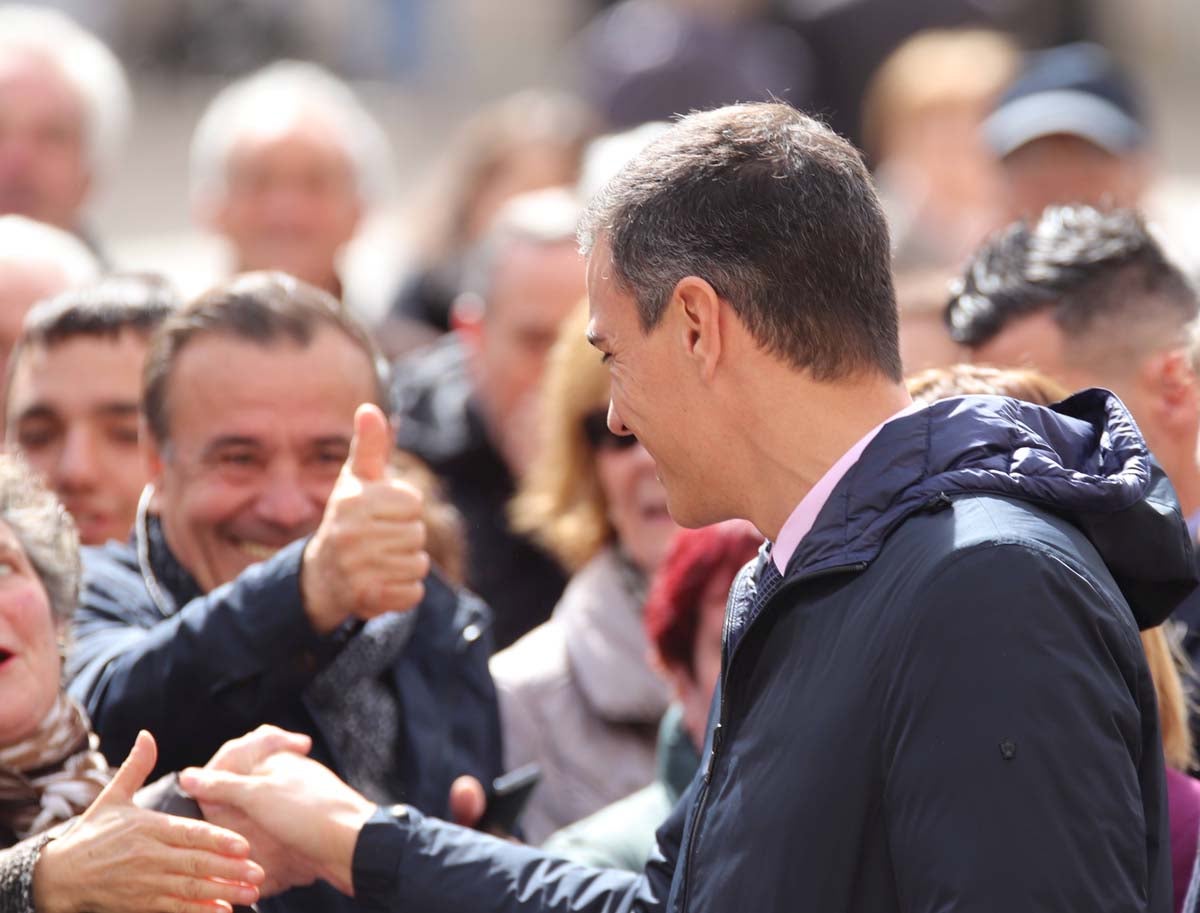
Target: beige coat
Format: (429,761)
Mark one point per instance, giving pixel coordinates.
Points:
(578,696)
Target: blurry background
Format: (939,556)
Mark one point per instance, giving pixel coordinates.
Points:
(422,66)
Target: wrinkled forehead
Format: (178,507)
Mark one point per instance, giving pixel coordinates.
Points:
(219,374)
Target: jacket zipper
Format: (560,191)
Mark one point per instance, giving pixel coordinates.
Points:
(718,730)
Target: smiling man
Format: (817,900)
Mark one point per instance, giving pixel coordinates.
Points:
(932,695)
(276,573)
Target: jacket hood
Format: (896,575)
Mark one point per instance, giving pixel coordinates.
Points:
(1082,459)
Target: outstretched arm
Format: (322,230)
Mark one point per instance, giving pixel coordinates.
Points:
(403,860)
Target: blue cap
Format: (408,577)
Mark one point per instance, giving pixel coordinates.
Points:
(1077,90)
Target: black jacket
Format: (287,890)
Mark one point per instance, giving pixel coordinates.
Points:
(943,706)
(220,664)
(440,422)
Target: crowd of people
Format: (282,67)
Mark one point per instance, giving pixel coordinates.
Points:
(807,537)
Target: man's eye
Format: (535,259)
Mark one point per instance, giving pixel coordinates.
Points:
(120,435)
(333,459)
(35,438)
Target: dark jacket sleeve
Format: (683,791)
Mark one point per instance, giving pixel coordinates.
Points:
(410,862)
(224,663)
(1020,754)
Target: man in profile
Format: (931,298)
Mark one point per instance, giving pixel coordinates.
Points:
(933,695)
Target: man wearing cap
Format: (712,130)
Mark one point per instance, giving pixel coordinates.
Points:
(1070,129)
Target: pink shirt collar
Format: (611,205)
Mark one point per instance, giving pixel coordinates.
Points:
(801,520)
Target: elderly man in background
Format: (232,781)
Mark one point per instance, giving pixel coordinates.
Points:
(72,402)
(284,165)
(468,405)
(64,110)
(276,573)
(36,261)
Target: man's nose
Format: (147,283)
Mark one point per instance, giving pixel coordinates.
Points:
(615,424)
(284,503)
(78,462)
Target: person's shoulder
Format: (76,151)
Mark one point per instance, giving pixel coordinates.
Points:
(111,572)
(969,521)
(535,662)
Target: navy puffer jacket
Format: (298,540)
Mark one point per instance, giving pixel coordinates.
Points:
(943,706)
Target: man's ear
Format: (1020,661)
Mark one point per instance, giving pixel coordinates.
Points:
(151,453)
(698,309)
(1173,380)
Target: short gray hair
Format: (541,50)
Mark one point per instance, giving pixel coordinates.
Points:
(26,242)
(285,91)
(778,214)
(46,533)
(89,67)
(539,218)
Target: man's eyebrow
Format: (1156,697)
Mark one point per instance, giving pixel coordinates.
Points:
(38,410)
(118,408)
(330,440)
(229,440)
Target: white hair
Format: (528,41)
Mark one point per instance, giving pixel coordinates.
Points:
(608,154)
(25,242)
(281,94)
(541,218)
(88,66)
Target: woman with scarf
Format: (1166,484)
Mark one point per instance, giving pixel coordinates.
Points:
(71,837)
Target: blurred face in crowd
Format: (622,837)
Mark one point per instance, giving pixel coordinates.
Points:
(637,503)
(258,434)
(291,202)
(29,663)
(22,285)
(1067,169)
(44,171)
(72,413)
(526,168)
(534,288)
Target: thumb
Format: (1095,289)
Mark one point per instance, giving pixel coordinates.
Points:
(213,786)
(371,445)
(467,801)
(133,773)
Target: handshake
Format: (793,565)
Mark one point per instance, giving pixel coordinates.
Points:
(301,821)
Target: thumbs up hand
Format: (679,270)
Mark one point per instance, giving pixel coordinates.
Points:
(367,556)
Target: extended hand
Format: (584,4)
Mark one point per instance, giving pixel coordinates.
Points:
(283,869)
(299,804)
(367,557)
(118,858)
